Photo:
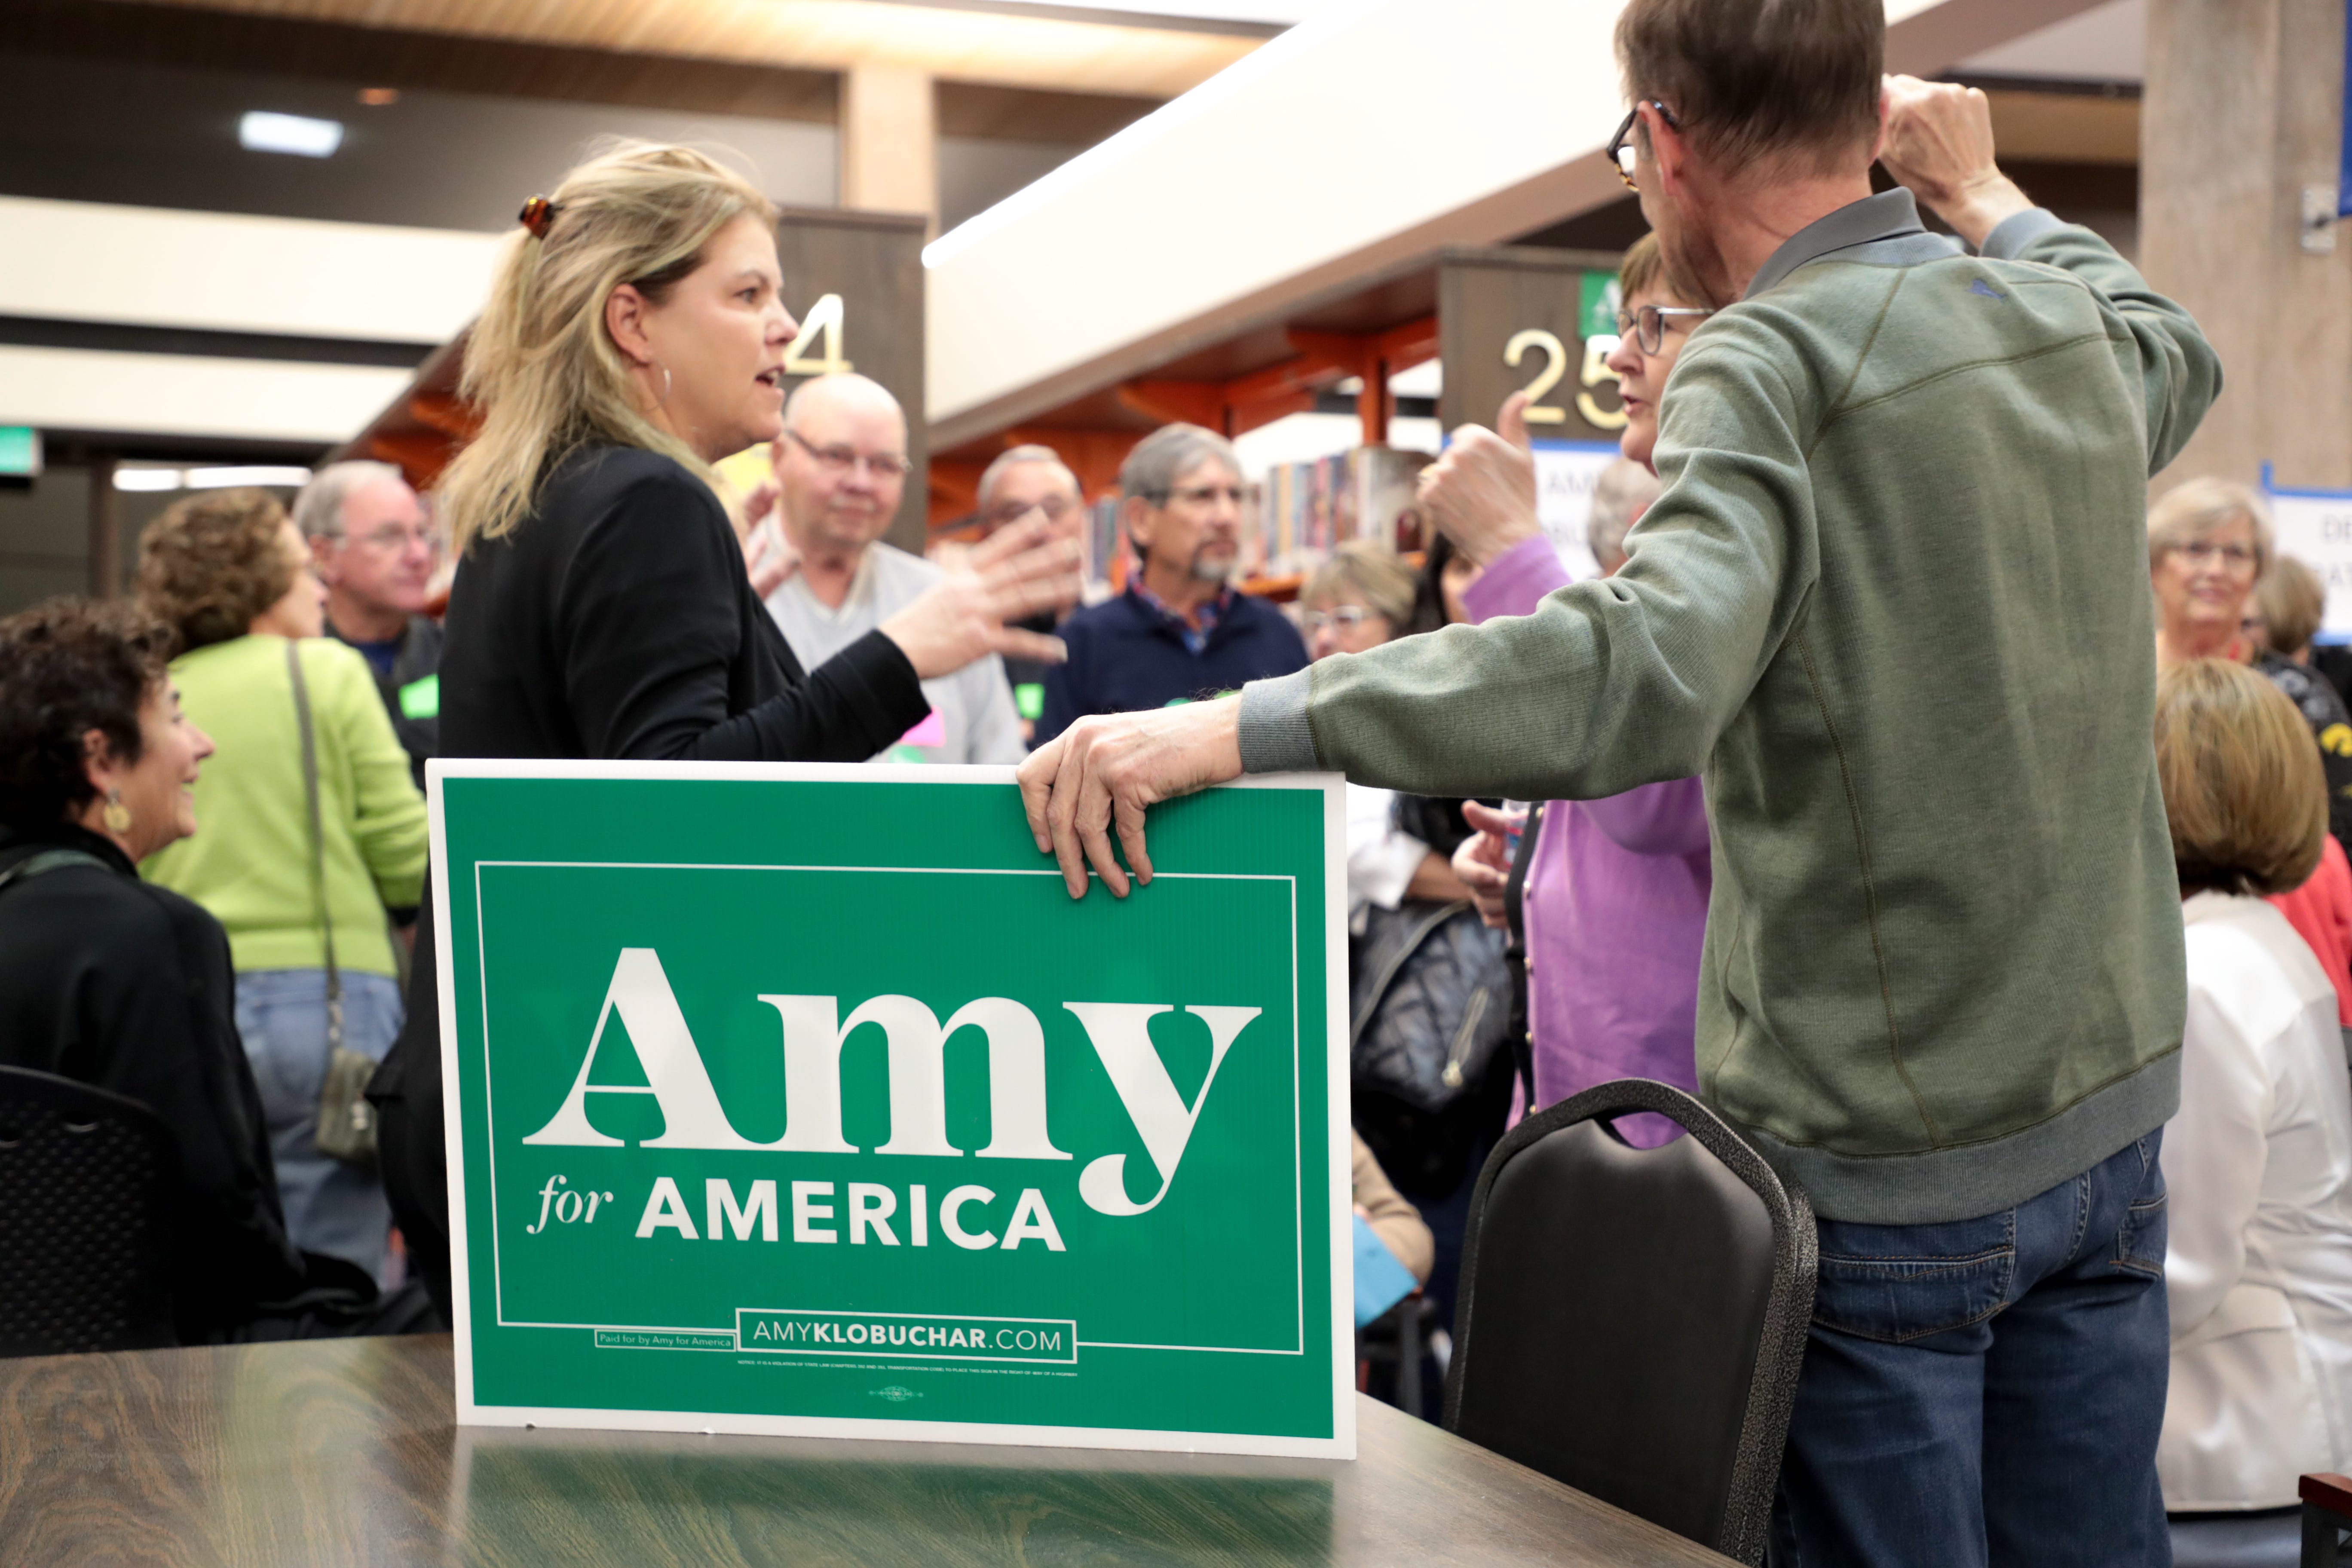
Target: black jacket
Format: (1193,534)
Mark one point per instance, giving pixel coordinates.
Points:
(113,982)
(615,621)
(2315,699)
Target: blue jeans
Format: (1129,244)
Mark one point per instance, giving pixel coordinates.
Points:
(281,1014)
(1988,1392)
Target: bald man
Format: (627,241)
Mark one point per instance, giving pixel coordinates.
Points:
(841,466)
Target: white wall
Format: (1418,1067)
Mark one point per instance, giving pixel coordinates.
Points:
(229,272)
(191,395)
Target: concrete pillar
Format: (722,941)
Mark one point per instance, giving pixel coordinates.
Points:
(2242,115)
(889,142)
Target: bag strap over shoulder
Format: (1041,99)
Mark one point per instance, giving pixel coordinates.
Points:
(318,843)
(47,861)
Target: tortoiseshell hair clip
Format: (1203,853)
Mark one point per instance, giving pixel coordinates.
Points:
(538,216)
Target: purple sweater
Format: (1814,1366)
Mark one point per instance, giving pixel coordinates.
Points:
(1615,909)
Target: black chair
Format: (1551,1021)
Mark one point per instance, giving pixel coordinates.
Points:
(1632,1321)
(85,1209)
(2326,1518)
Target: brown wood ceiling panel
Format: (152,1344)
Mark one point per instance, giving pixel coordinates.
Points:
(1015,115)
(177,35)
(813,35)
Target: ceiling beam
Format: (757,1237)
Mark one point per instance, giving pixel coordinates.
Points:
(1052,51)
(1513,101)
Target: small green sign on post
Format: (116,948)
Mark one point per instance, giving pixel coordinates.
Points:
(804,1099)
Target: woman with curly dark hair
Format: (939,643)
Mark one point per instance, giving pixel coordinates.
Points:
(313,828)
(107,980)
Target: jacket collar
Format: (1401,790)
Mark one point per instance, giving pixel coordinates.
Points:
(1888,216)
(16,844)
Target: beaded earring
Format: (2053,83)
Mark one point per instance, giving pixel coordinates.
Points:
(117,815)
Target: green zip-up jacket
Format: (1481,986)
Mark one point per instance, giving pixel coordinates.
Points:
(1893,606)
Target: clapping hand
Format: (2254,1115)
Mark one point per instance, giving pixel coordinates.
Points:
(1483,861)
(1481,492)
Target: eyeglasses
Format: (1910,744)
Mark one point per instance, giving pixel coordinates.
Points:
(393,539)
(1056,508)
(842,460)
(1340,617)
(1647,326)
(1621,153)
(1204,495)
(2202,552)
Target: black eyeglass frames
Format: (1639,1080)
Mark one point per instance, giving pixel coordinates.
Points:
(1621,152)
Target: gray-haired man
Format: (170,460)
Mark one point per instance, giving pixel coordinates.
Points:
(1020,481)
(1180,632)
(374,546)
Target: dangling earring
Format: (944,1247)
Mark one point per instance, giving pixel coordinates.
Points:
(117,815)
(665,396)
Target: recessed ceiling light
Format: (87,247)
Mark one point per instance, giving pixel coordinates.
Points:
(261,132)
(229,477)
(379,96)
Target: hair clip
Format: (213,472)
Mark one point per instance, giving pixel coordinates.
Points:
(538,215)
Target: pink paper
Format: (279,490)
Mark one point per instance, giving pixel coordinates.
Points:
(931,731)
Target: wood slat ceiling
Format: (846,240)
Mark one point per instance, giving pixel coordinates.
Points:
(1012,50)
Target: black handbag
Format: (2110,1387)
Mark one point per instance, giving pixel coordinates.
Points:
(1431,1012)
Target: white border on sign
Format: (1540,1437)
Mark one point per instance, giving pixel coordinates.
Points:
(489,1111)
(1341,1445)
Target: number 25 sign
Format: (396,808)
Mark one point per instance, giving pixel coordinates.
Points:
(805,1099)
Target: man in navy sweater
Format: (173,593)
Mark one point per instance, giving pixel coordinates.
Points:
(1180,631)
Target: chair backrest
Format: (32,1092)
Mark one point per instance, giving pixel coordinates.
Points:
(86,1208)
(1632,1320)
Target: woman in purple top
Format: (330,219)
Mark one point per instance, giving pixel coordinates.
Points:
(1616,893)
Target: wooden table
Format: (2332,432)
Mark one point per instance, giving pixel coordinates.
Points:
(346,1451)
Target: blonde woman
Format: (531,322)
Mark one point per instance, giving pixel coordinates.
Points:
(635,334)
(2258,1158)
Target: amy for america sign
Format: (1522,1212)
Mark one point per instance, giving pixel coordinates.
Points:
(804,1099)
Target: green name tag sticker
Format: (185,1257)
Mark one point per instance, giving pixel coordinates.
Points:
(1598,302)
(1029,700)
(815,1081)
(421,699)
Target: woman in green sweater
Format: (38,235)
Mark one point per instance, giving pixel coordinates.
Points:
(306,917)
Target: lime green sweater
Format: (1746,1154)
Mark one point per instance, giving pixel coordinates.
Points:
(249,862)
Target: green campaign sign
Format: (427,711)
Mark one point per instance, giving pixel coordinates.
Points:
(804,1099)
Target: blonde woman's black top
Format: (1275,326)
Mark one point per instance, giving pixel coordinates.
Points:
(618,621)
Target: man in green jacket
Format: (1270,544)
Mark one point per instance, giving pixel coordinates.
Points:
(1893,606)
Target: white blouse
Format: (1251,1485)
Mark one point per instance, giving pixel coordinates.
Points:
(2259,1165)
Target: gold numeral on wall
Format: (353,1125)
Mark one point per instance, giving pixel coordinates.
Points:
(1597,372)
(1538,412)
(822,324)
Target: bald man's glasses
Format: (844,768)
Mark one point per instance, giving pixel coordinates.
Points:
(842,460)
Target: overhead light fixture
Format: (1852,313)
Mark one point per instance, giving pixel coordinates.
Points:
(379,96)
(261,132)
(146,478)
(229,479)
